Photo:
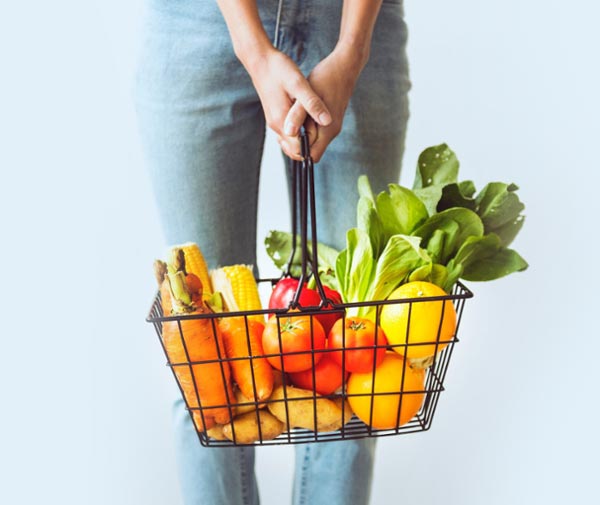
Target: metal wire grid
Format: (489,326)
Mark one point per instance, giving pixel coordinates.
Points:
(351,429)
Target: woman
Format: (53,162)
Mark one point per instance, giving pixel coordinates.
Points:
(212,75)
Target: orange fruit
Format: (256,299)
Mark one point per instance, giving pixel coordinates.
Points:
(429,330)
(388,379)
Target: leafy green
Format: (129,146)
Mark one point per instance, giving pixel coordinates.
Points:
(485,259)
(400,210)
(457,195)
(437,165)
(444,233)
(400,257)
(500,210)
(279,248)
(355,266)
(440,231)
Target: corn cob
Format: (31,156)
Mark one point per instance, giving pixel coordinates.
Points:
(195,264)
(238,288)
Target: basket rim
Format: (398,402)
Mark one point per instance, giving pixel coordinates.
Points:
(464,294)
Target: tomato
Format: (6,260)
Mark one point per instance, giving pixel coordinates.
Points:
(295,332)
(350,337)
(285,289)
(390,376)
(328,376)
(328,320)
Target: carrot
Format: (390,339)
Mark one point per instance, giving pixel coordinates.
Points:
(253,376)
(206,387)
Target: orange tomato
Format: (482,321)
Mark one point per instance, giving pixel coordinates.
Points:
(356,336)
(426,320)
(299,338)
(388,379)
(327,376)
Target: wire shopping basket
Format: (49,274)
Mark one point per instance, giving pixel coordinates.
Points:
(372,384)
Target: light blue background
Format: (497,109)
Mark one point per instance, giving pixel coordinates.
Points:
(512,86)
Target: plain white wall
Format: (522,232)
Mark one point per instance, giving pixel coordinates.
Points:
(512,86)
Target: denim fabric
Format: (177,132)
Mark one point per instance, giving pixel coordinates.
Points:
(202,128)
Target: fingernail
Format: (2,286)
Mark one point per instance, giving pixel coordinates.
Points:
(289,129)
(324,118)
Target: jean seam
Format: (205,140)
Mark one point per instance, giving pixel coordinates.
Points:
(244,477)
(304,468)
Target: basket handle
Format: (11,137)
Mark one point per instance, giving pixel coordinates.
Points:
(303,201)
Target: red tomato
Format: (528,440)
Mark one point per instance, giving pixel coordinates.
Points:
(358,332)
(295,332)
(328,320)
(328,376)
(285,289)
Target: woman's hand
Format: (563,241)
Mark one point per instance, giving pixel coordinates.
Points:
(280,84)
(277,79)
(333,79)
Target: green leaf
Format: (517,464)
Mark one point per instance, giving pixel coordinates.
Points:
(439,275)
(279,248)
(454,271)
(436,165)
(400,210)
(430,272)
(368,221)
(430,197)
(457,223)
(422,273)
(355,265)
(507,232)
(453,196)
(467,188)
(500,210)
(364,188)
(400,257)
(485,259)
(341,271)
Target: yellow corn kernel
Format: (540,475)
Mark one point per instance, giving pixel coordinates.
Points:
(238,288)
(195,264)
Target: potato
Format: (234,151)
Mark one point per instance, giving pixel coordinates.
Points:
(246,427)
(216,432)
(302,412)
(338,423)
(244,409)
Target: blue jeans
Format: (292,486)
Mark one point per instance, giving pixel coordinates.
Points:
(203,128)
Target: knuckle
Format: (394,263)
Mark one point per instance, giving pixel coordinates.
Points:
(297,82)
(274,123)
(314,103)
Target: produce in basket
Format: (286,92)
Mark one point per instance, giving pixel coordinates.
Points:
(206,385)
(440,232)
(243,346)
(422,328)
(327,379)
(290,342)
(295,408)
(238,288)
(245,428)
(285,289)
(243,404)
(370,391)
(196,265)
(360,344)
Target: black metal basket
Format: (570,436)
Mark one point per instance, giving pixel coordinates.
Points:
(256,430)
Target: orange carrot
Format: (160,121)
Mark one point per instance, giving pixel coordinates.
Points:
(206,387)
(253,376)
